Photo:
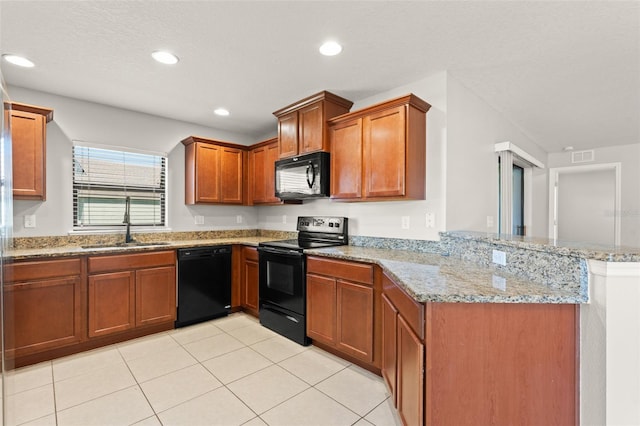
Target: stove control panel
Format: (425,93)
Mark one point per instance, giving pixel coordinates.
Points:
(325,224)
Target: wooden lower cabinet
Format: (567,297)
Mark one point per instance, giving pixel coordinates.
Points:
(111,303)
(340,306)
(131,291)
(249,281)
(354,322)
(410,381)
(155,295)
(44,306)
(388,367)
(321,308)
(479,363)
(403,359)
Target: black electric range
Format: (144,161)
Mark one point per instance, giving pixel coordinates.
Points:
(283,273)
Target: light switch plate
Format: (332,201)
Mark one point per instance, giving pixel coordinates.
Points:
(239,218)
(406,221)
(30,221)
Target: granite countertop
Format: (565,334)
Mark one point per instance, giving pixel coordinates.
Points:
(431,277)
(427,277)
(566,248)
(21,254)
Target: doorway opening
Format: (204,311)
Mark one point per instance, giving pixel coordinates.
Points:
(585,203)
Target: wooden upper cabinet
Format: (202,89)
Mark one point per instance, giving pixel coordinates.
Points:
(346,159)
(262,159)
(302,126)
(231,175)
(214,171)
(383,138)
(288,134)
(379,153)
(28,135)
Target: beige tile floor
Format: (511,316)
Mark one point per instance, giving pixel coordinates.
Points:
(229,371)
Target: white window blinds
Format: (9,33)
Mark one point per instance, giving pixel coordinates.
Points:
(103,178)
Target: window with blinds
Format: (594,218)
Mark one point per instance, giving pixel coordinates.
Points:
(103,178)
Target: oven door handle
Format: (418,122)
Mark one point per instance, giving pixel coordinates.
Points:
(283,252)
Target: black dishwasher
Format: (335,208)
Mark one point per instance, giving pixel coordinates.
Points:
(204,284)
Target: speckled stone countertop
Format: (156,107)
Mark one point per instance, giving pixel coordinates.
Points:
(429,277)
(564,248)
(99,244)
(30,253)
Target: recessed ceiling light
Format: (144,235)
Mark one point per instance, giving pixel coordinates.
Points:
(567,148)
(330,48)
(221,111)
(165,57)
(18,60)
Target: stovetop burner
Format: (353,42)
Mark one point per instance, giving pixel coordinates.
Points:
(315,232)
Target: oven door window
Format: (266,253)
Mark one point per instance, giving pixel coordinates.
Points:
(280,277)
(282,280)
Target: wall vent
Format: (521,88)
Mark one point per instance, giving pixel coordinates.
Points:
(582,156)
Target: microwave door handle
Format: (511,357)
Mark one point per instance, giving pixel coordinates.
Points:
(311,181)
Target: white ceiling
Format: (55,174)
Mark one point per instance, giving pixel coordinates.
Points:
(566,73)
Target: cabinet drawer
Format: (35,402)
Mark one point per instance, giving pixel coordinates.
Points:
(351,271)
(409,309)
(131,261)
(28,271)
(250,253)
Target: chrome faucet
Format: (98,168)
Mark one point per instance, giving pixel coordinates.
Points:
(127,220)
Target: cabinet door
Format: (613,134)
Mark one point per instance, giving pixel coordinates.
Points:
(250,286)
(410,390)
(288,134)
(270,173)
(311,128)
(346,159)
(155,295)
(355,320)
(385,153)
(258,174)
(111,303)
(230,176)
(207,172)
(28,146)
(389,343)
(43,314)
(321,309)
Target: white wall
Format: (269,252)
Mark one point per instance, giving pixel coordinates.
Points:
(629,157)
(91,122)
(585,203)
(473,127)
(383,219)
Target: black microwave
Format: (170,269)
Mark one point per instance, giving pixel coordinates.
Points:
(305,176)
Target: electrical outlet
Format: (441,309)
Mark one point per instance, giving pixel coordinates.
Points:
(30,221)
(239,218)
(199,220)
(499,283)
(406,220)
(500,257)
(489,221)
(430,220)
(284,218)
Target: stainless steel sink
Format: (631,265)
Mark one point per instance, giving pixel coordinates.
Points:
(131,244)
